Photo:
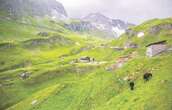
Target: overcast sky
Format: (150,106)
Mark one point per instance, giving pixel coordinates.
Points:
(135,11)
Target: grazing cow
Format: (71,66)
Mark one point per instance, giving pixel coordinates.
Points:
(147,76)
(131,85)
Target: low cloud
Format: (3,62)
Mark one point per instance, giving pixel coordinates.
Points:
(135,11)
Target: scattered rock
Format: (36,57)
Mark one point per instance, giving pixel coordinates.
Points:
(108,69)
(43,34)
(129,78)
(34,102)
(156,29)
(120,62)
(74,61)
(112,67)
(131,33)
(163,81)
(25,75)
(130,45)
(169,49)
(117,48)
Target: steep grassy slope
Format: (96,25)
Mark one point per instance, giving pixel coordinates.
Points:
(55,83)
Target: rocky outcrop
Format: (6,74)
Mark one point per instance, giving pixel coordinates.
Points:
(130,33)
(99,25)
(130,45)
(24,75)
(79,26)
(43,34)
(19,8)
(156,29)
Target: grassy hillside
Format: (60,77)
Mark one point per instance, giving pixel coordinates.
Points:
(56,83)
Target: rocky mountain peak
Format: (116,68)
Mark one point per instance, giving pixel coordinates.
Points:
(97,17)
(114,27)
(40,8)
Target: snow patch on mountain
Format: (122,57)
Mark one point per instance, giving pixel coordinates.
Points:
(118,31)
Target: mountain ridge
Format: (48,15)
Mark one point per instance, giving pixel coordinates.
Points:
(97,22)
(40,8)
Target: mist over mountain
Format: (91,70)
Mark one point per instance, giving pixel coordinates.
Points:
(115,26)
(40,8)
(99,25)
(94,23)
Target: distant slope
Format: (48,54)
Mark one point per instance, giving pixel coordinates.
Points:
(94,24)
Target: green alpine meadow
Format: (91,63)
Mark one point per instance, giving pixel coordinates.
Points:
(51,61)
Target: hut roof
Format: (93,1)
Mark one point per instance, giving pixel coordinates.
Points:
(155,43)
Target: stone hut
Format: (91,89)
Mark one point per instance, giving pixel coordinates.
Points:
(86,59)
(156,48)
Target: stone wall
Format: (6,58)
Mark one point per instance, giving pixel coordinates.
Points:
(155,49)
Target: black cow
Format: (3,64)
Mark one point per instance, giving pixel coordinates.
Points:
(131,85)
(147,76)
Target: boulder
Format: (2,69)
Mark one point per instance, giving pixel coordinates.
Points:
(43,34)
(130,33)
(117,48)
(130,45)
(34,102)
(156,29)
(74,61)
(24,75)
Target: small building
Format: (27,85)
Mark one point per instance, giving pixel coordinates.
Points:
(156,48)
(86,59)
